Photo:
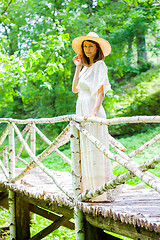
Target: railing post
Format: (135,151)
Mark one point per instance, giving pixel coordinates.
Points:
(33,140)
(11,194)
(33,149)
(5,157)
(76,181)
(11,152)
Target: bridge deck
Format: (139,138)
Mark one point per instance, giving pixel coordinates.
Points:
(136,209)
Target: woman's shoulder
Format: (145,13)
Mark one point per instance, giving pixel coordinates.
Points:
(100,64)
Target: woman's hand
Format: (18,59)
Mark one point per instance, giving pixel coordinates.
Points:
(98,104)
(77,61)
(89,115)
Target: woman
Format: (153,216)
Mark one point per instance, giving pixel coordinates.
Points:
(91,83)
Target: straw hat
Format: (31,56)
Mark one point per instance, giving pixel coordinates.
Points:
(104,44)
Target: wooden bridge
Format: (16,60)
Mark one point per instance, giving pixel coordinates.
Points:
(56,195)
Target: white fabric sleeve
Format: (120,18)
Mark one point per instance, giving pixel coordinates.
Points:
(100,77)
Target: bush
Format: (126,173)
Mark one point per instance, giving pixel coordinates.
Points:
(148,106)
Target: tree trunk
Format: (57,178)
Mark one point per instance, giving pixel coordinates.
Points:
(141,48)
(12,35)
(90,5)
(18,109)
(130,51)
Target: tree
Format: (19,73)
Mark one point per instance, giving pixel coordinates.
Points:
(35,68)
(39,63)
(38,54)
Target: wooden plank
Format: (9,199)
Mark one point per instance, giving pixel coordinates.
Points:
(49,229)
(136,208)
(127,199)
(135,203)
(143,212)
(139,193)
(126,215)
(49,215)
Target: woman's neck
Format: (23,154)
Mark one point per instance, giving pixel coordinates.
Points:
(90,63)
(91,60)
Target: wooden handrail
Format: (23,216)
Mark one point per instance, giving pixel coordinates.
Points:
(121,157)
(68,118)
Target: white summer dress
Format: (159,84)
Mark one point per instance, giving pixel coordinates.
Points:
(96,169)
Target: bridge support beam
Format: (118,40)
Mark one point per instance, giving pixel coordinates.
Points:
(94,233)
(22,219)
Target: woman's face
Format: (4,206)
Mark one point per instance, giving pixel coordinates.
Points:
(90,49)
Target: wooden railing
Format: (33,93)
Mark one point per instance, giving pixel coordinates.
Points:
(71,132)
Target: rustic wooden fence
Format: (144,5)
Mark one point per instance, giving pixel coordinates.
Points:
(9,157)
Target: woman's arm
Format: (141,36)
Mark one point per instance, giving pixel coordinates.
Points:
(98,103)
(77,61)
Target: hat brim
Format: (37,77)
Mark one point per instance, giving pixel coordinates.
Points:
(104,44)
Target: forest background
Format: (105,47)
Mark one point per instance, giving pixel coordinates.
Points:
(36,69)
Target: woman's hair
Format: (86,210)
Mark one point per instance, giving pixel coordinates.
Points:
(99,55)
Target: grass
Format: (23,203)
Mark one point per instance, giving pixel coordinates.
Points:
(4,221)
(56,163)
(38,223)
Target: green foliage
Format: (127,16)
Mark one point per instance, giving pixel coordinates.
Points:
(22,77)
(137,97)
(36,55)
(4,216)
(148,106)
(110,102)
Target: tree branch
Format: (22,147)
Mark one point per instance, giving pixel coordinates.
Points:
(6,8)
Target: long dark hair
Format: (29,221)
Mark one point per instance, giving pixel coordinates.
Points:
(99,55)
